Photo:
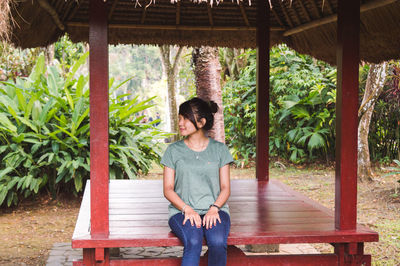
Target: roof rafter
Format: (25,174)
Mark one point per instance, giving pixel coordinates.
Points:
(331,18)
(277,17)
(178,13)
(209,12)
(112,9)
(316,8)
(288,20)
(243,11)
(174,27)
(52,12)
(143,15)
(329,5)
(70,7)
(305,11)
(296,15)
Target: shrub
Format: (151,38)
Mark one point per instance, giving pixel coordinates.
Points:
(44,134)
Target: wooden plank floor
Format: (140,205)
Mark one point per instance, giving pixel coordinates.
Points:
(261,213)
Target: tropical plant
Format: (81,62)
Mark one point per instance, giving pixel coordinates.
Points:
(16,62)
(44,134)
(302,113)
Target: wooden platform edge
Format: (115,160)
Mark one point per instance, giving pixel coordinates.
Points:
(236,257)
(82,226)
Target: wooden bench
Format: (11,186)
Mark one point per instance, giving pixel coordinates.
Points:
(261,213)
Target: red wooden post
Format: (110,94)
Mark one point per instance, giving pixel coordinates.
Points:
(348,28)
(98,66)
(262,118)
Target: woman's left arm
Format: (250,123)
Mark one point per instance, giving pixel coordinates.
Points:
(212,215)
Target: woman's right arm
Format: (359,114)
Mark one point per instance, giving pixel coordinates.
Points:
(170,194)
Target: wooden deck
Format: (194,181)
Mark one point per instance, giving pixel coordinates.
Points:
(261,213)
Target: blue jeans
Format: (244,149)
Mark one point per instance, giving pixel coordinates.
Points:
(192,239)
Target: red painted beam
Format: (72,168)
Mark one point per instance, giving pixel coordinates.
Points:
(98,66)
(262,116)
(271,260)
(348,42)
(235,239)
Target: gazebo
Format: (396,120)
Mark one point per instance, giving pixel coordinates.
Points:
(129,213)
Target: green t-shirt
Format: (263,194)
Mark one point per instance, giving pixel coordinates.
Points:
(197,174)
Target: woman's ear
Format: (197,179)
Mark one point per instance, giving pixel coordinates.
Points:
(201,123)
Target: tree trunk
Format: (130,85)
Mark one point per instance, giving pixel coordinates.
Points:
(171,69)
(373,88)
(207,71)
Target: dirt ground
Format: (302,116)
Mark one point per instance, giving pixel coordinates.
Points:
(28,232)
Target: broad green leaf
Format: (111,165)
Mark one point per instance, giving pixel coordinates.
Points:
(82,117)
(28,123)
(68,133)
(36,110)
(51,81)
(45,111)
(78,183)
(3,193)
(21,99)
(5,171)
(69,97)
(12,183)
(300,112)
(316,141)
(80,86)
(29,106)
(7,123)
(13,113)
(55,147)
(50,159)
(27,181)
(75,164)
(38,69)
(33,183)
(60,176)
(36,188)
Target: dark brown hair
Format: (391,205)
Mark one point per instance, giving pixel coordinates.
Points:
(195,109)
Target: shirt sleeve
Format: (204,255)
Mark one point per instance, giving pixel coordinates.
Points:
(226,156)
(167,159)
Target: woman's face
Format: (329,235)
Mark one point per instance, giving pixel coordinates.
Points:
(186,126)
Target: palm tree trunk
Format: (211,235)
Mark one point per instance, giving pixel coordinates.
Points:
(207,71)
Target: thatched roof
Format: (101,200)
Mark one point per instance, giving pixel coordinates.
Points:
(309,26)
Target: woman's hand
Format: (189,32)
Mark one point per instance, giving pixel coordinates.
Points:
(192,216)
(211,217)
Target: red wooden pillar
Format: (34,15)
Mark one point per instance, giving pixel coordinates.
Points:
(98,67)
(262,118)
(348,28)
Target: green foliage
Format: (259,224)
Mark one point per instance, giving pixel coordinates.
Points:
(302,99)
(239,99)
(384,136)
(67,52)
(44,134)
(16,62)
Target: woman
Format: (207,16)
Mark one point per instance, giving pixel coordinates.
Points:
(197,183)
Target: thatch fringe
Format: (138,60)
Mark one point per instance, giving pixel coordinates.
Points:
(5,18)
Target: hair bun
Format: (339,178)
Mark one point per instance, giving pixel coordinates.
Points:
(213,106)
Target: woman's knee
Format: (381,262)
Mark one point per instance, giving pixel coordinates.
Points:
(217,241)
(194,242)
